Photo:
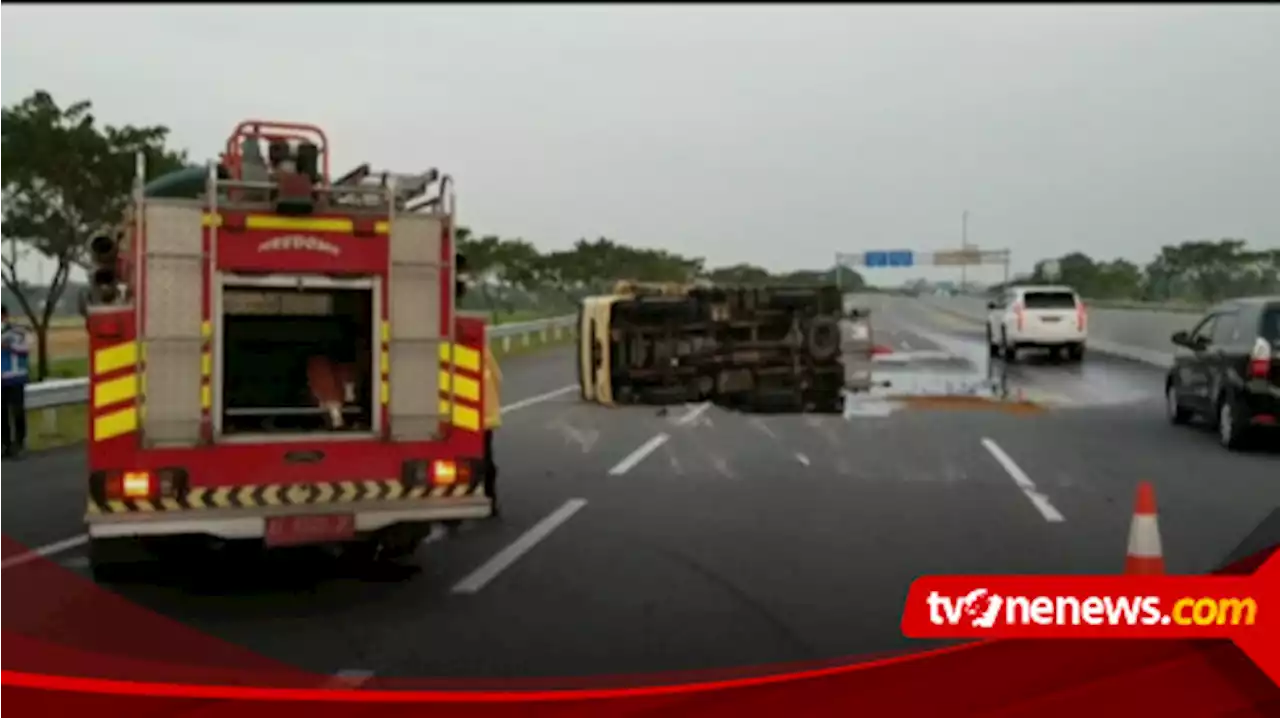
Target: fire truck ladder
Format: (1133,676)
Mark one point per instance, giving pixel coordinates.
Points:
(414,334)
(169,257)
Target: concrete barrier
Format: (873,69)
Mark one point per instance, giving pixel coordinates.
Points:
(1137,334)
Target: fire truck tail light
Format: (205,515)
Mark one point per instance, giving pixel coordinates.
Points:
(134,484)
(444,473)
(438,472)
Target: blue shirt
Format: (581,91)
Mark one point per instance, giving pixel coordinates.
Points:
(16,353)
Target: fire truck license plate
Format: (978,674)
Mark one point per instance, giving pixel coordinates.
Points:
(293,530)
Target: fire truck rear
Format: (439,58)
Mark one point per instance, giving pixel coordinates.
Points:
(276,357)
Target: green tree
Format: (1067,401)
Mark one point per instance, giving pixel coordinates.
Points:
(65,179)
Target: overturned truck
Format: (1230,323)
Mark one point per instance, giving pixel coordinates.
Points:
(766,348)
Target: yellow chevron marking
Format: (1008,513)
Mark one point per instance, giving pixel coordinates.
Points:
(117,423)
(115,358)
(417,492)
(92,508)
(114,391)
(393,490)
(438,491)
(144,505)
(461,490)
(206,396)
(170,504)
(386,391)
(221,497)
(463,386)
(385,363)
(324,493)
(298,493)
(117,506)
(206,364)
(271,496)
(463,357)
(348,491)
(372,489)
(206,329)
(386,332)
(196,497)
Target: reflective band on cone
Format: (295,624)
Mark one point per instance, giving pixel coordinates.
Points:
(1145,556)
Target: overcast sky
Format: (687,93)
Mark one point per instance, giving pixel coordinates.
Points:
(768,135)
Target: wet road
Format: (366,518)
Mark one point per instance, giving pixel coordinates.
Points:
(637,540)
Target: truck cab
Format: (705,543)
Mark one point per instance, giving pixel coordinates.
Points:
(276,357)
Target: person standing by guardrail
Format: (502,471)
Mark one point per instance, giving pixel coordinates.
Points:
(16,355)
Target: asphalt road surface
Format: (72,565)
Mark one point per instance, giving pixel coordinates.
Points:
(638,540)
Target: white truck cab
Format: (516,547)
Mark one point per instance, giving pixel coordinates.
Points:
(1037,317)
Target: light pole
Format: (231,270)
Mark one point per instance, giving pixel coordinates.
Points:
(964,246)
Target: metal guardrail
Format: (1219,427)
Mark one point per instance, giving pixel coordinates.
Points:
(62,392)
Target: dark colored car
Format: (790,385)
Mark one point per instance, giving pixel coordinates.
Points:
(1227,369)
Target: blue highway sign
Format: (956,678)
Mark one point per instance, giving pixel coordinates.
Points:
(901,258)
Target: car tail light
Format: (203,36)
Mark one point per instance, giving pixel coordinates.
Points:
(1260,359)
(1019,314)
(1081,317)
(138,484)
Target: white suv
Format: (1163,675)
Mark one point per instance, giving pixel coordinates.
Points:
(1045,317)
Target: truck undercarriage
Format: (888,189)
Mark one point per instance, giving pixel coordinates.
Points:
(748,348)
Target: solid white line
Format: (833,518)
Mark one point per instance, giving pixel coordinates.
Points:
(49,550)
(514,406)
(1024,482)
(70,543)
(638,455)
(507,556)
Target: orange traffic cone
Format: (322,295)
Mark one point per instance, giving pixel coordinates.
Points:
(1145,558)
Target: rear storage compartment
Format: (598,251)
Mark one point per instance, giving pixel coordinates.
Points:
(297,361)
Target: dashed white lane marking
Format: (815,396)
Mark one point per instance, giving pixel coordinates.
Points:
(1024,482)
(638,455)
(75,541)
(514,406)
(49,550)
(481,577)
(802,459)
(693,414)
(631,460)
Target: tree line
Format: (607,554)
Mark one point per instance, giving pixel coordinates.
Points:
(68,177)
(1193,272)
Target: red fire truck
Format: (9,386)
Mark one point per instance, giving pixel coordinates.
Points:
(276,357)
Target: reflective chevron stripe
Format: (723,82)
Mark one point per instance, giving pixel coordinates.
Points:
(269,495)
